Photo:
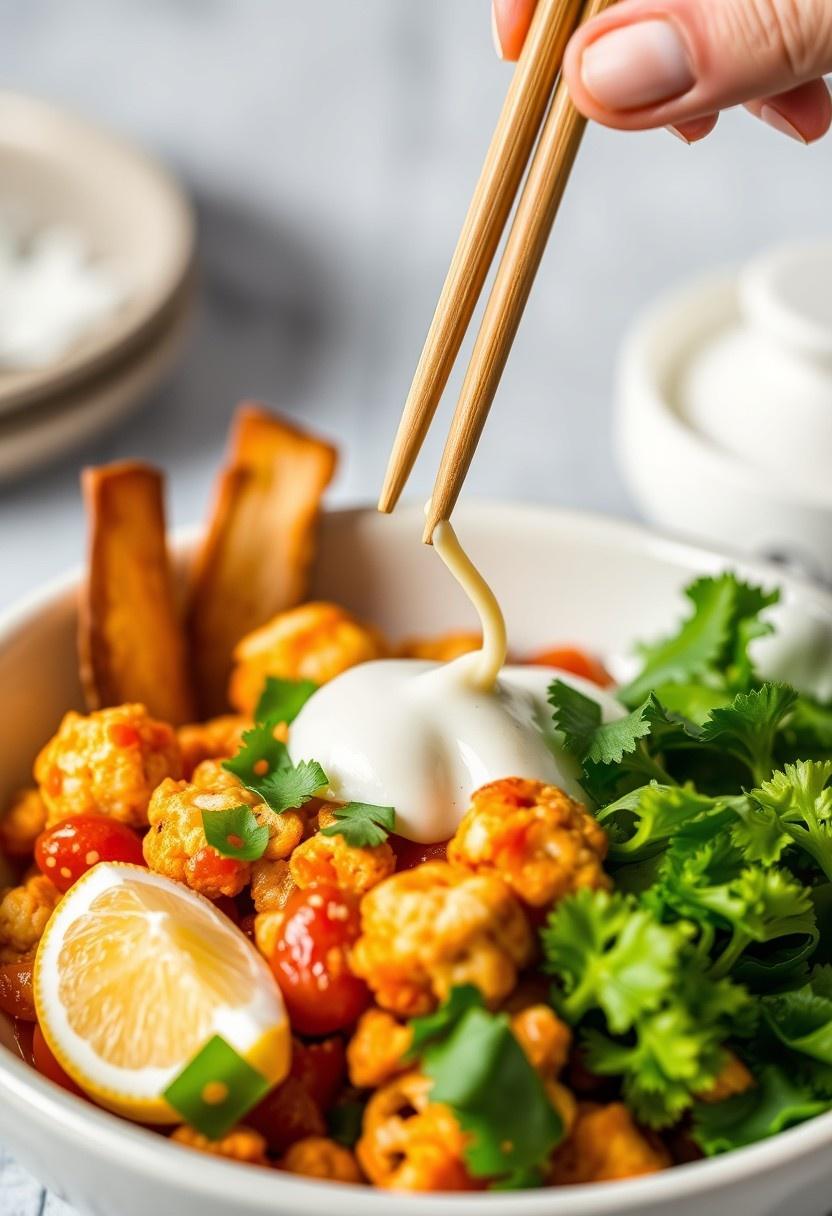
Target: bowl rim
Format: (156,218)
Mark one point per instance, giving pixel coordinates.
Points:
(96,1131)
(121,335)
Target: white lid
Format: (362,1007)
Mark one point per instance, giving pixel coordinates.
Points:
(788,294)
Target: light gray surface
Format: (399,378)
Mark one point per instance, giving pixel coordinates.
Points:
(332,148)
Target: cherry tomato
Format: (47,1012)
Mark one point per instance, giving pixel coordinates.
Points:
(578,662)
(288,1114)
(65,852)
(229,908)
(16,996)
(24,1033)
(48,1066)
(321,1068)
(410,853)
(310,960)
(209,870)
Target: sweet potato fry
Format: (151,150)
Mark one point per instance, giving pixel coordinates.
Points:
(255,559)
(131,640)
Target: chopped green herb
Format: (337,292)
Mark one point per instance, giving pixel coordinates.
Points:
(362,824)
(778,1099)
(282,700)
(216,1089)
(793,808)
(439,1024)
(747,728)
(265,767)
(480,1071)
(344,1122)
(288,788)
(235,833)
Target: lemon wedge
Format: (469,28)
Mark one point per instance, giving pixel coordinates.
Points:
(138,978)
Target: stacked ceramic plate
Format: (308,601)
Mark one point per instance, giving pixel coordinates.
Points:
(93,225)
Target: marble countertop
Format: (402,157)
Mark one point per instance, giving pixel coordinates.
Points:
(331,151)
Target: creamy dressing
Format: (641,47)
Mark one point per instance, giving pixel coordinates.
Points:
(422,736)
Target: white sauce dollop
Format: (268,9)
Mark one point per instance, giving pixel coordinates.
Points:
(422,737)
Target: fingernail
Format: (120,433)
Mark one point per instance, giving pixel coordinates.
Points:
(637,65)
(675,131)
(495,33)
(780,123)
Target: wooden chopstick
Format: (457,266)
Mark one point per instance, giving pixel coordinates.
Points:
(537,209)
(506,160)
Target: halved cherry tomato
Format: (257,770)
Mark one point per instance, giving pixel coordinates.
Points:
(321,1068)
(319,926)
(48,1066)
(66,851)
(410,853)
(16,995)
(209,869)
(571,658)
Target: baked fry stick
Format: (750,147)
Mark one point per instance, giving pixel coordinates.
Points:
(131,641)
(255,559)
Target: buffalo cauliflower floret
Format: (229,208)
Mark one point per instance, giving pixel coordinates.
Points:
(409,1143)
(22,823)
(331,859)
(218,739)
(605,1144)
(732,1079)
(426,930)
(541,842)
(318,1157)
(106,763)
(314,642)
(376,1051)
(176,845)
(441,649)
(271,885)
(24,912)
(545,1039)
(240,1144)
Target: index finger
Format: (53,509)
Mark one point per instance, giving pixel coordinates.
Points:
(511,20)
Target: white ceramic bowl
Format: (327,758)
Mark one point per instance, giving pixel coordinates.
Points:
(704,460)
(561,577)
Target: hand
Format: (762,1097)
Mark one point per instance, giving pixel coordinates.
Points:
(677,63)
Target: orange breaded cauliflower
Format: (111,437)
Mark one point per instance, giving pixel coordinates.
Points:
(271,885)
(376,1051)
(176,844)
(732,1079)
(545,1039)
(106,763)
(218,739)
(441,649)
(314,642)
(605,1144)
(330,859)
(541,842)
(240,1144)
(24,913)
(318,1157)
(22,823)
(409,1143)
(426,930)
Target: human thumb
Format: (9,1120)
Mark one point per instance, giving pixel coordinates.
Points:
(649,63)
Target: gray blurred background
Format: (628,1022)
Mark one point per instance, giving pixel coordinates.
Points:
(331,147)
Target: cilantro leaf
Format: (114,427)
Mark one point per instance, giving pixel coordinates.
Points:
(235,833)
(711,646)
(264,766)
(287,788)
(779,1099)
(793,808)
(282,700)
(437,1025)
(260,755)
(576,716)
(657,813)
(748,726)
(362,824)
(609,953)
(802,1019)
(480,1071)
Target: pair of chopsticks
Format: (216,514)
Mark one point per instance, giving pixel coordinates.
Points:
(511,146)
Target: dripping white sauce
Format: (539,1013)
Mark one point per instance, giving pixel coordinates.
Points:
(422,736)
